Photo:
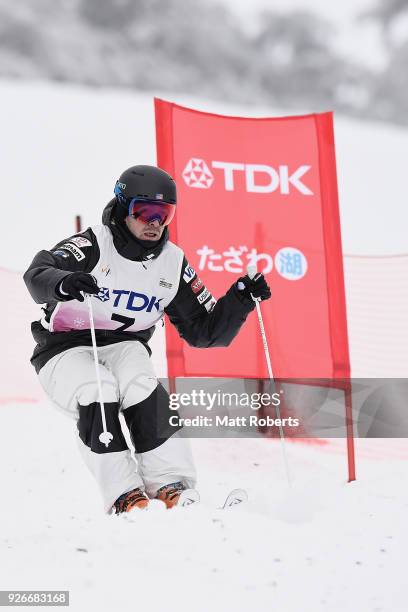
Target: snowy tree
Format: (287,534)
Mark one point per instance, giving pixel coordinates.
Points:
(386,11)
(114,14)
(389,89)
(298,65)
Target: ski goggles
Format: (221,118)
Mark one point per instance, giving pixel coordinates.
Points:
(148,211)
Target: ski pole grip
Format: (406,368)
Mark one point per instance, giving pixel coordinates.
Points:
(251,271)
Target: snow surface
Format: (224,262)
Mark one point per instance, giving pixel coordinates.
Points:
(325,545)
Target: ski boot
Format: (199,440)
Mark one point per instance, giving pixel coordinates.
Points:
(135,498)
(170,494)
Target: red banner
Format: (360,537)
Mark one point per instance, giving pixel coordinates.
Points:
(260,191)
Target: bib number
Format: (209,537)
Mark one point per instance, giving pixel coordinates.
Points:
(126,321)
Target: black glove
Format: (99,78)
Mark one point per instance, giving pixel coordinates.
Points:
(257,286)
(74,283)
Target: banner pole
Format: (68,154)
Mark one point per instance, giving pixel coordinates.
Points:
(172,384)
(350,434)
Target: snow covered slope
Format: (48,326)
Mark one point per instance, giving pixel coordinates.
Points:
(326,545)
(323,546)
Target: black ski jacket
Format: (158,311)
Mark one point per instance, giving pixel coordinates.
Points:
(198,326)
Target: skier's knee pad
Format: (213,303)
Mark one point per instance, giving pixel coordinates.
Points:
(90,427)
(149,421)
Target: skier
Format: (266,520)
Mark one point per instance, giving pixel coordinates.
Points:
(135,275)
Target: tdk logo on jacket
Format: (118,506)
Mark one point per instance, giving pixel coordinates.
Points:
(129,300)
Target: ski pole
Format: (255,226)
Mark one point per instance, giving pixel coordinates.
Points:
(252,271)
(105,437)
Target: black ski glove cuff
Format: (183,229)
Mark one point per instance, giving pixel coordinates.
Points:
(72,285)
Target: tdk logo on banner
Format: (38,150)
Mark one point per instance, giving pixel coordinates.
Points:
(197,174)
(131,300)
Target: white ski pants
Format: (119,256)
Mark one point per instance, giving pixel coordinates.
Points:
(129,383)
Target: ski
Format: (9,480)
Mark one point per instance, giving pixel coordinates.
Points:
(234,498)
(188,497)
